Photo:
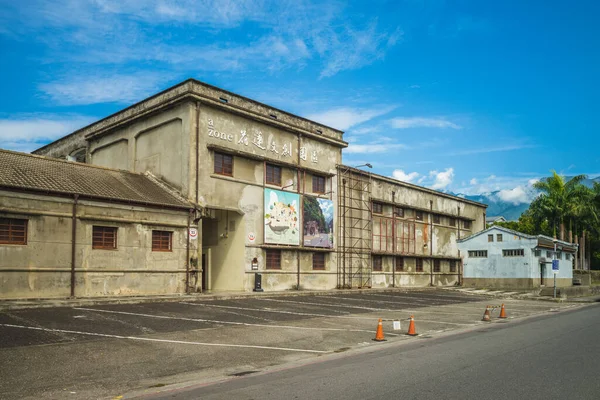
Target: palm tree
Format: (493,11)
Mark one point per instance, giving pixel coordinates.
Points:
(560,200)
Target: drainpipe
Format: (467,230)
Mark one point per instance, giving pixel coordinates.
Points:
(73,243)
(301,208)
(431,241)
(197,147)
(187,252)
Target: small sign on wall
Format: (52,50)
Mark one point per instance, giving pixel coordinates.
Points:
(251,237)
(193,233)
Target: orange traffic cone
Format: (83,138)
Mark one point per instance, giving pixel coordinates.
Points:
(503,312)
(411,327)
(379,334)
(486,315)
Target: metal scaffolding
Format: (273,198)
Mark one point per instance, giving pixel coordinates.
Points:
(393,236)
(354,228)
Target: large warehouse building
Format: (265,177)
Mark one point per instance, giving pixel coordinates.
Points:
(268,193)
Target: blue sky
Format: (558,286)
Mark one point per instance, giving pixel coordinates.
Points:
(466,96)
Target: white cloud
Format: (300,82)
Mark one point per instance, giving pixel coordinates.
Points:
(373,148)
(29,132)
(492,149)
(442,179)
(422,122)
(473,181)
(346,117)
(403,176)
(517,195)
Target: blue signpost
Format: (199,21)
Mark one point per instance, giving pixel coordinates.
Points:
(555,266)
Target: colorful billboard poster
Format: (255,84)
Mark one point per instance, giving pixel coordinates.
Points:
(318,222)
(282,218)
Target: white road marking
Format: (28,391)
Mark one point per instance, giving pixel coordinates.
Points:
(163,340)
(221,322)
(326,304)
(278,311)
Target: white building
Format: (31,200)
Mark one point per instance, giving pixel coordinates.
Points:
(499,258)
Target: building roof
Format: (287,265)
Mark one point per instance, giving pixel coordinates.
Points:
(26,172)
(491,220)
(543,240)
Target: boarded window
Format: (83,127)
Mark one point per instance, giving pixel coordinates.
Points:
(452,221)
(273,259)
(513,253)
(478,253)
(437,266)
(318,184)
(399,212)
(399,264)
(162,241)
(223,164)
(273,175)
(13,231)
(452,265)
(319,261)
(377,263)
(419,215)
(436,218)
(104,237)
(419,265)
(490,238)
(377,208)
(467,224)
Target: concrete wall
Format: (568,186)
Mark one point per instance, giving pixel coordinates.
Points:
(499,271)
(41,268)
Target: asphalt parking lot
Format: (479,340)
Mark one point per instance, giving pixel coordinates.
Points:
(106,351)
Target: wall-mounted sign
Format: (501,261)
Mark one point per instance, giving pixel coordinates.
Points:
(193,233)
(282,219)
(318,222)
(251,237)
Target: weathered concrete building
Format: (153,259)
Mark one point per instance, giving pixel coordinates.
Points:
(70,229)
(502,258)
(273,195)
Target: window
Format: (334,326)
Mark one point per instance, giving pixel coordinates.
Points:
(419,265)
(513,253)
(436,218)
(452,265)
(559,255)
(467,224)
(318,184)
(273,258)
(567,256)
(399,264)
(273,175)
(377,208)
(490,238)
(223,164)
(419,215)
(452,221)
(377,263)
(499,237)
(537,253)
(436,266)
(104,237)
(13,231)
(162,241)
(478,253)
(399,212)
(319,261)
(548,254)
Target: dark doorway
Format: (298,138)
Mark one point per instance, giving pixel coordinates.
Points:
(542,273)
(204,273)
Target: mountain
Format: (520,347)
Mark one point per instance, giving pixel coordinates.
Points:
(511,210)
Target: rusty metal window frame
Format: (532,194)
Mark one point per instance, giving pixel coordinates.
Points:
(272,259)
(513,253)
(399,263)
(452,265)
(399,212)
(223,164)
(419,264)
(419,215)
(452,221)
(478,253)
(437,266)
(318,184)
(467,224)
(13,231)
(377,208)
(273,174)
(318,261)
(498,237)
(490,238)
(104,237)
(436,218)
(377,263)
(162,241)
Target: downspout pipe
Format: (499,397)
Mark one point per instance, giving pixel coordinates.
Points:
(187,253)
(73,243)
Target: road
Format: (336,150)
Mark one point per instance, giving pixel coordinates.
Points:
(551,356)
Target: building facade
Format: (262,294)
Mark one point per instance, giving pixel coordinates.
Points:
(502,258)
(272,195)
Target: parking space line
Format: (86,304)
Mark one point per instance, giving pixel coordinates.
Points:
(327,304)
(221,322)
(281,311)
(164,340)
